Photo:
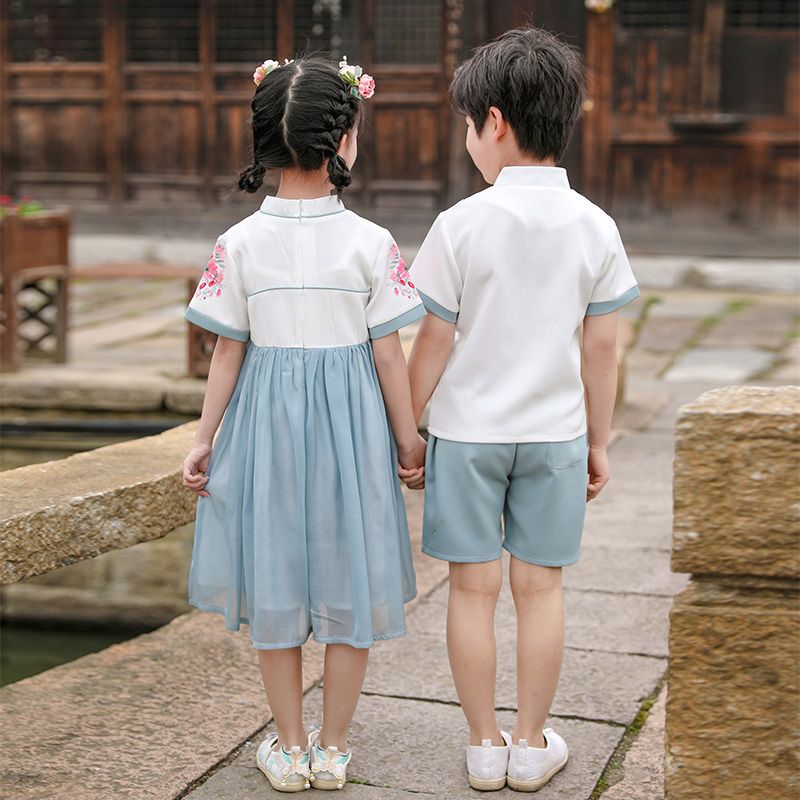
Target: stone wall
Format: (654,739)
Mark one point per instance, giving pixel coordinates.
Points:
(733,722)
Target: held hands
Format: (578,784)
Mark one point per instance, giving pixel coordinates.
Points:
(194,467)
(598,471)
(412,464)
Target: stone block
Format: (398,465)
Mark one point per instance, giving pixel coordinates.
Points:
(185,396)
(65,387)
(115,496)
(720,364)
(737,495)
(734,691)
(769,275)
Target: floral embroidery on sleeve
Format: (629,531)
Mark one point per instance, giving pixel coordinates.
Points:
(399,276)
(211,282)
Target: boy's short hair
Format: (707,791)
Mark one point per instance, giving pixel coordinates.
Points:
(534,78)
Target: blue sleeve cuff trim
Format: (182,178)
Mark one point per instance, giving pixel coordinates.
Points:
(607,306)
(385,328)
(210,324)
(440,311)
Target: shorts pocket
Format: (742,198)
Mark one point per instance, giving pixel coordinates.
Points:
(563,455)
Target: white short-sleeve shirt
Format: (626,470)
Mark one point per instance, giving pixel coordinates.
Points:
(305,273)
(517,267)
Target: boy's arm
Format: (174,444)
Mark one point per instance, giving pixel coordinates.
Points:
(599,368)
(429,357)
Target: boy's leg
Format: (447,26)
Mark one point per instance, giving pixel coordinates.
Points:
(474,589)
(282,673)
(345,668)
(540,645)
(545,508)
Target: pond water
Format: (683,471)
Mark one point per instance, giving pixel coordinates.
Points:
(27,650)
(34,437)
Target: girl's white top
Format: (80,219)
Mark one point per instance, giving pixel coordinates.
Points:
(305,273)
(517,267)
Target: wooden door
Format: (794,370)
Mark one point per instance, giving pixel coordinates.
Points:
(147,102)
(695,117)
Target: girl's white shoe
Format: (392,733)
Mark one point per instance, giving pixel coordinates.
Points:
(286,770)
(530,768)
(487,764)
(328,765)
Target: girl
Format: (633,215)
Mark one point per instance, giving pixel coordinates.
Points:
(301,526)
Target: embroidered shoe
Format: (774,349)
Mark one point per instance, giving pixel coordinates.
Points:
(328,765)
(286,770)
(487,764)
(530,768)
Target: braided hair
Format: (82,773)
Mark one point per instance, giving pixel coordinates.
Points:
(300,113)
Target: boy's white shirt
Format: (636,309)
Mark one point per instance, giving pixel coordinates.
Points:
(517,267)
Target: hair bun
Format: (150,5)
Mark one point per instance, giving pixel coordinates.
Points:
(252,177)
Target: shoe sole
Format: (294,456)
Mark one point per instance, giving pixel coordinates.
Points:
(326,786)
(487,785)
(288,787)
(539,783)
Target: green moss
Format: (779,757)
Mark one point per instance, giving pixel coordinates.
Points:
(614,771)
(705,327)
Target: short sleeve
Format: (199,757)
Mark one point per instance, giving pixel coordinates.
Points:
(393,299)
(219,303)
(436,274)
(616,285)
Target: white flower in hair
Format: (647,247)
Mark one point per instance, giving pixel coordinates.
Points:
(349,71)
(361,85)
(267,67)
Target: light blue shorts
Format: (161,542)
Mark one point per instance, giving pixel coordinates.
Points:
(538,489)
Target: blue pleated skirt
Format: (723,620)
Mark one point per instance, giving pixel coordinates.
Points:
(305,530)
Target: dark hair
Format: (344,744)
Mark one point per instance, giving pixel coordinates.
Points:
(534,78)
(300,112)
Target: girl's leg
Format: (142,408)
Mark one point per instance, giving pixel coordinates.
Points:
(540,645)
(282,673)
(474,589)
(345,668)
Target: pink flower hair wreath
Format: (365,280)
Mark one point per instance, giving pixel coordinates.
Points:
(361,85)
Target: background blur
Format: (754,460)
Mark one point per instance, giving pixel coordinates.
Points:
(127,107)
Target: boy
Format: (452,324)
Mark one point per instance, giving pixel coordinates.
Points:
(522,282)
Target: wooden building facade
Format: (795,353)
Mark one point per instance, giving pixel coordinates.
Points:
(693,107)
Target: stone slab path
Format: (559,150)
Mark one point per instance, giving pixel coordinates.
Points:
(409,731)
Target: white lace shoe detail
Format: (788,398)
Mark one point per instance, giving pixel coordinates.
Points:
(530,768)
(328,765)
(487,764)
(286,770)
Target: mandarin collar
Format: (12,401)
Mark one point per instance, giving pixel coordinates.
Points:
(533,176)
(289,207)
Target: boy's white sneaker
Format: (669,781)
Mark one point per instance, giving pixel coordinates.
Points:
(328,765)
(530,768)
(487,764)
(286,770)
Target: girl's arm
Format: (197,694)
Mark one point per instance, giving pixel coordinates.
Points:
(599,368)
(226,362)
(390,364)
(428,359)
